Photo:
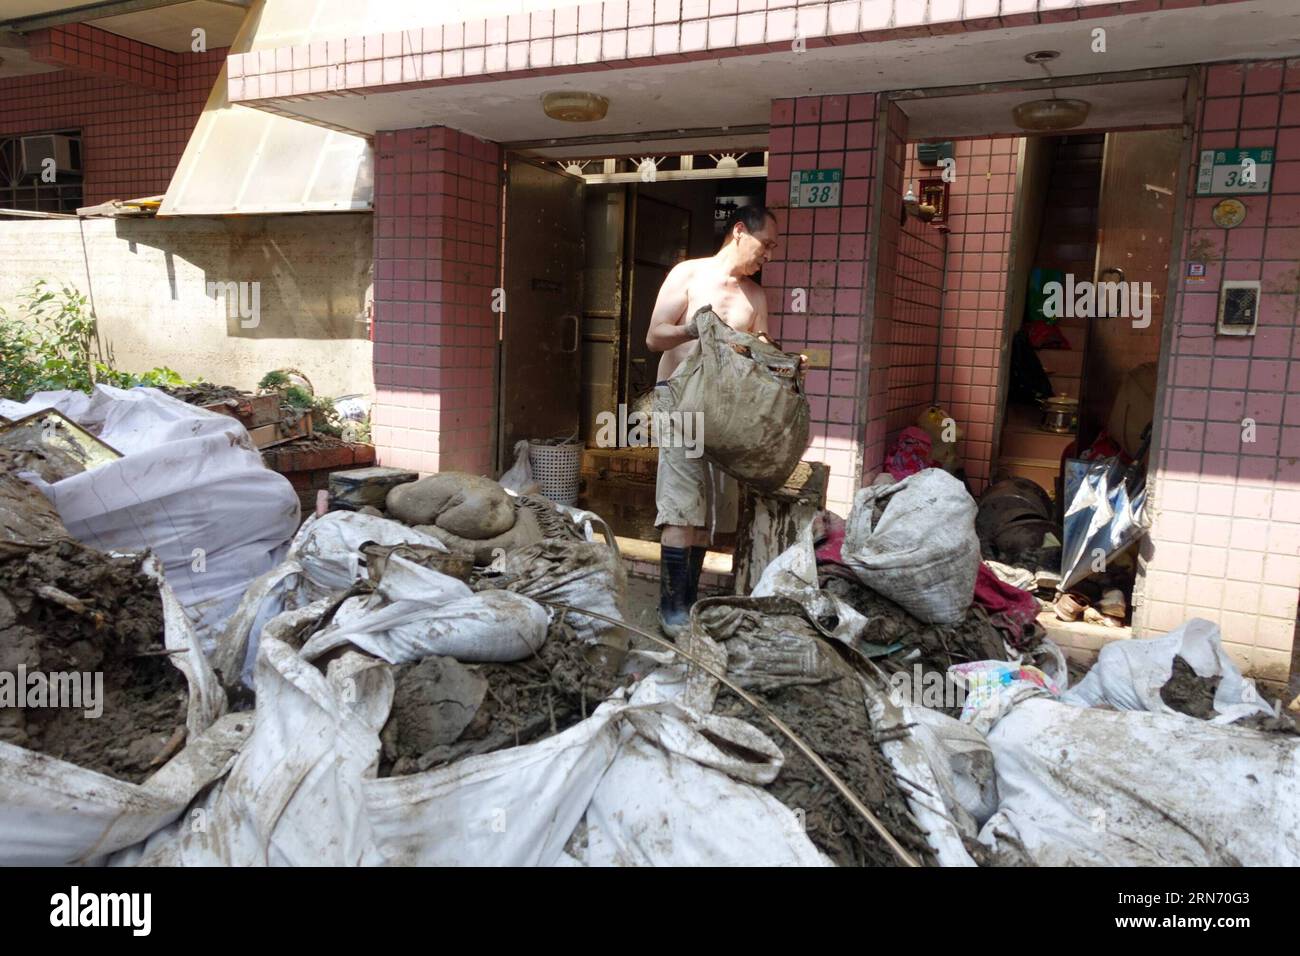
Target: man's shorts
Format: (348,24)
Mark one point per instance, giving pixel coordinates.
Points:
(689,491)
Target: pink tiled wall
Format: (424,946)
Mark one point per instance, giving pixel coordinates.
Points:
(821,263)
(437,228)
(87,49)
(981,201)
(132,138)
(914,342)
(1226,540)
(616,33)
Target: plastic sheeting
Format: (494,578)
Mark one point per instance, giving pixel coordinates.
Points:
(191,488)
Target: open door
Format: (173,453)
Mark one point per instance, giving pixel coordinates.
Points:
(1135,221)
(540,345)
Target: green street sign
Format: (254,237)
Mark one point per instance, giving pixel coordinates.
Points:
(815,187)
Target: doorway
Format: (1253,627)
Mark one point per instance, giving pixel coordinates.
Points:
(592,241)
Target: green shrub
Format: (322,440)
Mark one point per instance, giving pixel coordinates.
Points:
(53,344)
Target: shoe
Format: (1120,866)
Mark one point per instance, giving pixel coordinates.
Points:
(674,588)
(1112,603)
(1070,606)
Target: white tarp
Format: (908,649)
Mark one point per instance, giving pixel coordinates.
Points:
(1109,775)
(1091,787)
(191,488)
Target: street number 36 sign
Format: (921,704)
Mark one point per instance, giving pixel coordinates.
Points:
(815,187)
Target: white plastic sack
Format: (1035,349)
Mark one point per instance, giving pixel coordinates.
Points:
(324,559)
(638,774)
(293,796)
(416,612)
(1128,675)
(658,803)
(1092,787)
(581,574)
(53,812)
(191,488)
(924,553)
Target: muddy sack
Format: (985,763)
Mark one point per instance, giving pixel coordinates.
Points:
(914,542)
(190,486)
(416,612)
(750,400)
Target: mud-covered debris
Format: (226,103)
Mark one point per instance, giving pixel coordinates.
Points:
(799,676)
(1189,693)
(67,609)
(525,701)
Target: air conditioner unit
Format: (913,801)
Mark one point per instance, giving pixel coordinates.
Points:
(64,150)
(929,154)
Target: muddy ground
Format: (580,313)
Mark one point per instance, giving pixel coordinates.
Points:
(444,710)
(69,608)
(807,684)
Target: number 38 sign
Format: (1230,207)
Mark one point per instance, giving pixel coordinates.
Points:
(1234,171)
(815,187)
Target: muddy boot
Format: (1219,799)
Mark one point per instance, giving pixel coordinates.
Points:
(697,565)
(674,584)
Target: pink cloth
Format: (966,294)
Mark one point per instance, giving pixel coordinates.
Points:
(911,453)
(833,543)
(1010,608)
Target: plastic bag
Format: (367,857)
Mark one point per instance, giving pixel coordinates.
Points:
(1128,675)
(923,553)
(416,612)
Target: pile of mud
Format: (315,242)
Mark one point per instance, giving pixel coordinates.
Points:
(444,710)
(935,647)
(204,393)
(1188,693)
(72,611)
(802,679)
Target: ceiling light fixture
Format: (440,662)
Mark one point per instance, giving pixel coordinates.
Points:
(1052,114)
(573,106)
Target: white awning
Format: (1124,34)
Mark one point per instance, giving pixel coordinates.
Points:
(245,161)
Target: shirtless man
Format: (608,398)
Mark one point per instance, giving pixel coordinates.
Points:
(693,497)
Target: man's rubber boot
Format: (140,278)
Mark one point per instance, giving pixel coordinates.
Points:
(674,585)
(697,565)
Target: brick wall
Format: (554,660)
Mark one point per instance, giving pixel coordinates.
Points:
(437,227)
(914,342)
(86,49)
(980,206)
(308,464)
(1226,540)
(821,265)
(132,137)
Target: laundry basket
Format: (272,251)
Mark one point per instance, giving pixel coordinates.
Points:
(556,467)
